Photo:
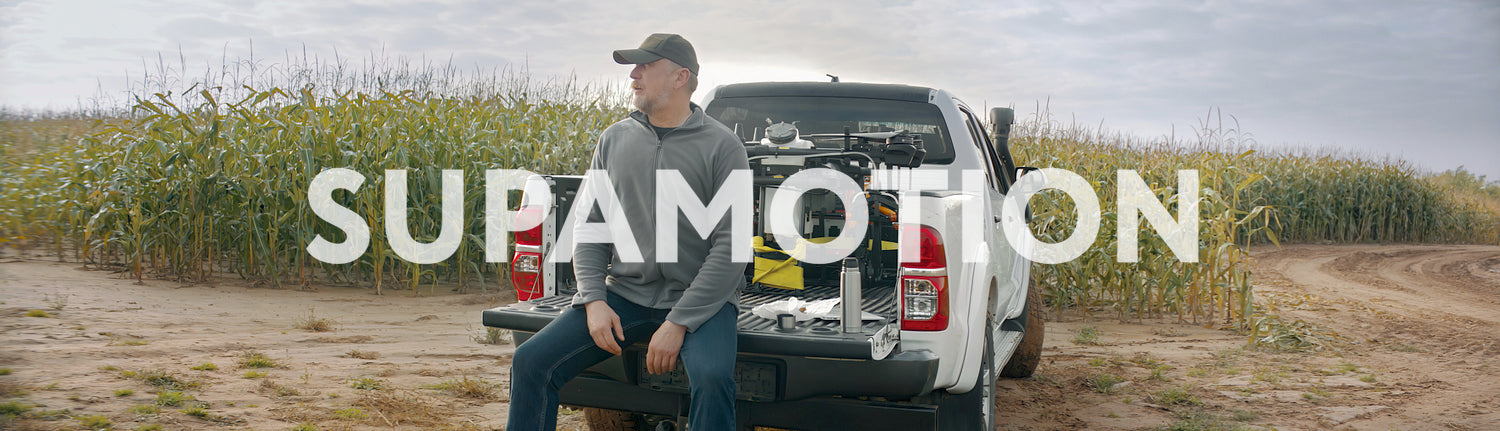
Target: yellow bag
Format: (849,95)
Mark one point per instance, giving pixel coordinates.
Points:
(781,274)
(773,271)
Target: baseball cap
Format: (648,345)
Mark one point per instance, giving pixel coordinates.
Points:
(658,46)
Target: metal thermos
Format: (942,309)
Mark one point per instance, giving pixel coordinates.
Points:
(850,300)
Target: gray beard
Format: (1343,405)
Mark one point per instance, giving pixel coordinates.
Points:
(648,104)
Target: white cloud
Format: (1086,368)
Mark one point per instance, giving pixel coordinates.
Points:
(1374,77)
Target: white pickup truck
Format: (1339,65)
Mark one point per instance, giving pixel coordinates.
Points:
(947,324)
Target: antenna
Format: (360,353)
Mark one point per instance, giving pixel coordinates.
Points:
(831,76)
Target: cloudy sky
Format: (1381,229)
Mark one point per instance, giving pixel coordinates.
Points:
(1417,80)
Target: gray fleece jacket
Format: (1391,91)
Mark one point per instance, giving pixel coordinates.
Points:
(704,277)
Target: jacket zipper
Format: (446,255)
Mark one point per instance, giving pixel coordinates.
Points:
(656,266)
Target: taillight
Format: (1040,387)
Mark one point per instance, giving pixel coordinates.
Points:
(526,265)
(924,285)
(533,236)
(525,270)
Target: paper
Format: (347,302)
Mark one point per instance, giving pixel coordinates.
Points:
(802,311)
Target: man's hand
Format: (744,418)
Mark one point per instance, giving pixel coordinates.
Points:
(604,326)
(662,354)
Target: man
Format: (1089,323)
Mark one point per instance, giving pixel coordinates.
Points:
(685,308)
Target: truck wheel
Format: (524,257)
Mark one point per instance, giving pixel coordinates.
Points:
(608,420)
(1027,355)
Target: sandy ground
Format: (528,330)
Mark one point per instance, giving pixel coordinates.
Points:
(1412,343)
(1412,333)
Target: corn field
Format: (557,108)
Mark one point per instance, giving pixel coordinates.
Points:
(209,178)
(1329,197)
(1217,287)
(188,186)
(1247,197)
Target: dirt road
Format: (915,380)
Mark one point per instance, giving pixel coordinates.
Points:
(1410,335)
(1426,316)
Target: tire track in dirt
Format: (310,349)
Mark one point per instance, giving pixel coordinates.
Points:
(1428,293)
(1427,314)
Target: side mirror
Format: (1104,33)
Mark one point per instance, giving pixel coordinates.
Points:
(1023,170)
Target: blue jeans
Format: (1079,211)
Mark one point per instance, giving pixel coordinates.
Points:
(563,349)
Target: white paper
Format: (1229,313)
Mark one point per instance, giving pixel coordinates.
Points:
(802,311)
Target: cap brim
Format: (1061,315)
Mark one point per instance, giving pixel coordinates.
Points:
(635,56)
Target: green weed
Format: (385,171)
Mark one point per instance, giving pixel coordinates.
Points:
(1346,367)
(354,413)
(1104,383)
(198,411)
(493,336)
(13,408)
(170,398)
(366,383)
(1175,396)
(257,360)
(94,422)
(1087,336)
(161,379)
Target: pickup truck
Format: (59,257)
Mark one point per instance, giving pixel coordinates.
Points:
(947,324)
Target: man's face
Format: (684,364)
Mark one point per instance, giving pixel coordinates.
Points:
(652,84)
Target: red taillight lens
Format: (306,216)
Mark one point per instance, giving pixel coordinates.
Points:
(530,236)
(930,253)
(529,216)
(525,274)
(924,286)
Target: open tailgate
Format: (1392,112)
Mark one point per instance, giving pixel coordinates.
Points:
(815,338)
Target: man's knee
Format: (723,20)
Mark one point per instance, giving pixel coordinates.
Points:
(718,375)
(527,361)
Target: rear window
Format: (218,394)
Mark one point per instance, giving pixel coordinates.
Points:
(814,115)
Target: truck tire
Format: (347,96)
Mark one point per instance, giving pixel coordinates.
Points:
(608,420)
(1023,362)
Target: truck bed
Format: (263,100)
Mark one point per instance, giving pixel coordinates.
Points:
(814,338)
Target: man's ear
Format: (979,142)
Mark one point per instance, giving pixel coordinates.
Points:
(680,80)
